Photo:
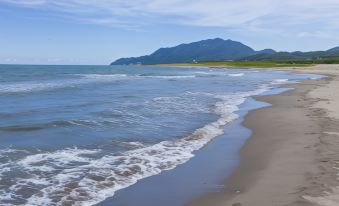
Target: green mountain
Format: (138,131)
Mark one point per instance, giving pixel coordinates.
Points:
(206,50)
(334,50)
(222,50)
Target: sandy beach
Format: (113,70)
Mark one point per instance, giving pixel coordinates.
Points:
(292,157)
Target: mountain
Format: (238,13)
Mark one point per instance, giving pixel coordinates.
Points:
(221,50)
(206,50)
(333,50)
(297,55)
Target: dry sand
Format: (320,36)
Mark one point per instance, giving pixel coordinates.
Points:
(292,157)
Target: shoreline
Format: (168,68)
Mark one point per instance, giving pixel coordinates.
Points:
(293,162)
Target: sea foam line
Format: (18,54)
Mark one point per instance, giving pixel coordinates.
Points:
(57,84)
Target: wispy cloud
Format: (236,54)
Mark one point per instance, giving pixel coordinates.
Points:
(298,17)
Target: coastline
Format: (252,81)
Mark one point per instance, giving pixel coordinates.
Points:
(291,157)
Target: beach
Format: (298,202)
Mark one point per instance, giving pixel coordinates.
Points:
(292,155)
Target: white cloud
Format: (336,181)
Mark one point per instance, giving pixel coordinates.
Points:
(25,2)
(298,17)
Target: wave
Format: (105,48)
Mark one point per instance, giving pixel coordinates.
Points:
(280,81)
(236,75)
(102,76)
(109,76)
(203,73)
(84,177)
(57,84)
(57,123)
(186,103)
(219,74)
(172,77)
(30,86)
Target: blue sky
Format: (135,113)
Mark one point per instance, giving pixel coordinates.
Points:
(99,31)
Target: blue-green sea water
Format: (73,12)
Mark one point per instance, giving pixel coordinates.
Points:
(74,135)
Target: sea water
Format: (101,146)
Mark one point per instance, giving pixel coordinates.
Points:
(74,135)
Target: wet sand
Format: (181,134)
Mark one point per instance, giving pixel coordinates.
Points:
(293,154)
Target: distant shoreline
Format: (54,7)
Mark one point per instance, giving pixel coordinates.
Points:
(291,157)
(242,64)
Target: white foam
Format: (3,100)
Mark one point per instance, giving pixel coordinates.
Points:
(5,164)
(59,159)
(27,87)
(318,76)
(86,177)
(103,76)
(236,75)
(218,73)
(4,168)
(203,73)
(172,77)
(281,80)
(5,196)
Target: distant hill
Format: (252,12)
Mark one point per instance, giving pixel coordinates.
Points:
(266,51)
(221,50)
(298,55)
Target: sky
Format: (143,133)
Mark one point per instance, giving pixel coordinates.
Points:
(100,31)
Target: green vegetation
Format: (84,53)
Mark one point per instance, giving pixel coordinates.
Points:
(254,64)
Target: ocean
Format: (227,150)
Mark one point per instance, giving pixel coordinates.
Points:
(77,135)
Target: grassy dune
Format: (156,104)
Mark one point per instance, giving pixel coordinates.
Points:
(254,64)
